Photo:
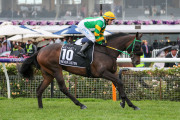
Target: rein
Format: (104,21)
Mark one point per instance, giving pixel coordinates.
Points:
(106,54)
(133,43)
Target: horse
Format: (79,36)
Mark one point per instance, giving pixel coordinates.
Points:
(103,66)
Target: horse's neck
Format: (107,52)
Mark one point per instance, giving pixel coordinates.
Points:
(118,43)
(106,51)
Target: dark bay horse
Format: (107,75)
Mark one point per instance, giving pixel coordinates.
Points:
(103,66)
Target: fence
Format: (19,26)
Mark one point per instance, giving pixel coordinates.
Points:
(136,87)
(154,52)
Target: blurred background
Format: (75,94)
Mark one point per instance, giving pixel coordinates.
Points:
(78,9)
(58,13)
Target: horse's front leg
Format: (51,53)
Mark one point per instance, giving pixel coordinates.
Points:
(119,85)
(123,99)
(130,104)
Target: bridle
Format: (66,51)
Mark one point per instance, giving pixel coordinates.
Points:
(132,51)
(133,45)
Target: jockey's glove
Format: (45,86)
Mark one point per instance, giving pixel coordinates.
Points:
(104,42)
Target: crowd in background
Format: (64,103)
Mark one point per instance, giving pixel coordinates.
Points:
(28,12)
(20,49)
(31,12)
(166,42)
(166,50)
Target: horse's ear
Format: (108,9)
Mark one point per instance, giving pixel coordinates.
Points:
(140,35)
(137,35)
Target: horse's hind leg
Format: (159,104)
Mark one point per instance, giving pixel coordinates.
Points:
(44,84)
(63,88)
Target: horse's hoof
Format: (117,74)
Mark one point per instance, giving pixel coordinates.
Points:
(136,108)
(122,104)
(83,107)
(40,106)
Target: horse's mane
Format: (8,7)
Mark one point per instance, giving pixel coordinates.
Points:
(115,35)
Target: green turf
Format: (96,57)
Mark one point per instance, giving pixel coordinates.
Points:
(64,109)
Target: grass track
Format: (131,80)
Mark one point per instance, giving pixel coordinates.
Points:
(64,109)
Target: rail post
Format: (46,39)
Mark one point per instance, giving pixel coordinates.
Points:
(7,80)
(113,92)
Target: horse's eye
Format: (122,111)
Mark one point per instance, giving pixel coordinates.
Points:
(137,47)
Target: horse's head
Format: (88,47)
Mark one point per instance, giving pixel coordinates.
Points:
(134,49)
(124,42)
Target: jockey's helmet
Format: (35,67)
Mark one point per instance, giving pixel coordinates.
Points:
(109,15)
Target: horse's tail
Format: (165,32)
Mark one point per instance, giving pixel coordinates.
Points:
(26,70)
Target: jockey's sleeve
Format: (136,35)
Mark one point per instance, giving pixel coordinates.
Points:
(102,34)
(99,32)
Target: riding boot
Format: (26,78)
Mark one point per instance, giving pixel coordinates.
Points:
(84,47)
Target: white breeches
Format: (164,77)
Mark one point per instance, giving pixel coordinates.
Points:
(86,31)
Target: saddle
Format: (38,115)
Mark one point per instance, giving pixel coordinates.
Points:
(69,57)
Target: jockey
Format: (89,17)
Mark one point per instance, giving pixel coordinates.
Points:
(93,28)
